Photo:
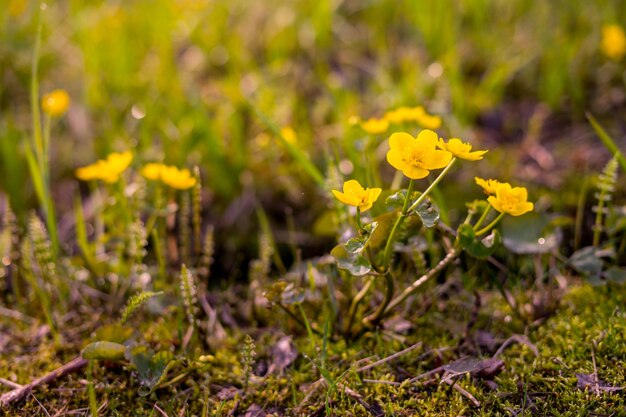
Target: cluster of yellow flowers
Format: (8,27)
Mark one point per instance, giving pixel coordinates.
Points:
(417,156)
(613,43)
(180,179)
(416,114)
(107,170)
(110,169)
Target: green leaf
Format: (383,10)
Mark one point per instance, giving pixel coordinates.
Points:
(396,199)
(530,234)
(479,249)
(356,264)
(607,140)
(428,213)
(357,244)
(104,351)
(615,274)
(588,262)
(150,366)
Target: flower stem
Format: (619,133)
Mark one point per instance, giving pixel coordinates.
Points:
(432,186)
(419,282)
(396,227)
(489,226)
(375,317)
(356,301)
(483,217)
(358,220)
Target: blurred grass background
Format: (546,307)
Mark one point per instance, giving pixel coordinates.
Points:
(184,82)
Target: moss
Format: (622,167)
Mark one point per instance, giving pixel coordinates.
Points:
(587,325)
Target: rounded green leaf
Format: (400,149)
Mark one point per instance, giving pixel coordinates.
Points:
(104,351)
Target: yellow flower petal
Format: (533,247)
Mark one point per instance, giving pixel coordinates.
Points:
(489,186)
(415,173)
(460,149)
(438,159)
(428,137)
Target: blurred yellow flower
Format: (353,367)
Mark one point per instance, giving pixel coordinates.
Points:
(489,186)
(428,121)
(460,149)
(375,126)
(181,179)
(289,134)
(17,7)
(613,43)
(403,114)
(413,114)
(511,200)
(55,103)
(152,171)
(415,157)
(355,195)
(107,170)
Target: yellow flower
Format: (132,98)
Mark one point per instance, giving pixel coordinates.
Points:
(511,200)
(152,171)
(613,42)
(428,121)
(375,126)
(107,170)
(181,179)
(460,149)
(289,134)
(403,114)
(489,186)
(55,103)
(354,195)
(416,156)
(413,114)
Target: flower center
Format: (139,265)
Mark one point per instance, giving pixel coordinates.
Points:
(415,156)
(510,202)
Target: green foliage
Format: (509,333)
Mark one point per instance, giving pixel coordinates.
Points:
(478,248)
(135,302)
(188,295)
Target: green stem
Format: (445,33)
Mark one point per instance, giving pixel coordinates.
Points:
(483,217)
(396,227)
(358,219)
(34,91)
(356,301)
(45,168)
(490,225)
(93,403)
(432,186)
(38,140)
(375,317)
(419,282)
